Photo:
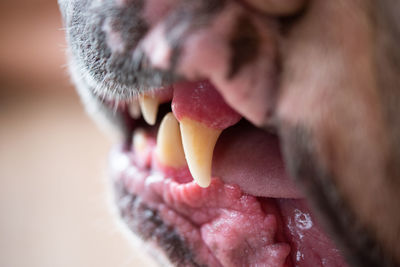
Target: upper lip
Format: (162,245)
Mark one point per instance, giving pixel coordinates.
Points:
(264,173)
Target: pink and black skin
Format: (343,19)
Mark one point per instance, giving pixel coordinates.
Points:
(323,76)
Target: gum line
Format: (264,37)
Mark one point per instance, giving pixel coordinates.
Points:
(221,224)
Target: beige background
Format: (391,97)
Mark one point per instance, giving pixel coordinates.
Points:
(53,197)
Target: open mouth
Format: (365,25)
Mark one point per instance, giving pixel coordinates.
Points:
(209,188)
(195,176)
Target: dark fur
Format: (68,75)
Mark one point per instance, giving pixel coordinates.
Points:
(245,44)
(112,75)
(147,224)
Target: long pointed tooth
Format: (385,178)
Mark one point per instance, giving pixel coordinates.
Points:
(198,144)
(134,109)
(149,108)
(169,143)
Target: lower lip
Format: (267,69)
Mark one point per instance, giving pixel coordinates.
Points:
(221,224)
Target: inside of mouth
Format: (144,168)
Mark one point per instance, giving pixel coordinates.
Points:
(250,214)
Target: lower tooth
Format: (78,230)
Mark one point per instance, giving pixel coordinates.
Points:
(198,143)
(139,141)
(169,143)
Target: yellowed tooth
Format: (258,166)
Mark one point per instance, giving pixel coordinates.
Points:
(149,108)
(198,144)
(139,141)
(134,109)
(169,143)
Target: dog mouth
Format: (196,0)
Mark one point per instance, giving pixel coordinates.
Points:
(209,188)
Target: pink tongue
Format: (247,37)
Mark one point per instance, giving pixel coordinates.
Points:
(250,157)
(201,101)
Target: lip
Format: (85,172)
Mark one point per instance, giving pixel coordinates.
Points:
(139,223)
(146,187)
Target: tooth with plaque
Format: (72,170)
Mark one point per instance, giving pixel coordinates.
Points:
(169,143)
(149,108)
(203,115)
(198,143)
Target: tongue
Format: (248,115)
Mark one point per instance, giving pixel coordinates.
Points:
(250,158)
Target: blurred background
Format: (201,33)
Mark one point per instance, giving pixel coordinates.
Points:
(53,185)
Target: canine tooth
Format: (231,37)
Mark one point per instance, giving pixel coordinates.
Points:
(169,142)
(149,108)
(198,144)
(134,109)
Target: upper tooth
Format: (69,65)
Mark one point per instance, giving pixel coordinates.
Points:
(134,109)
(169,143)
(198,144)
(149,107)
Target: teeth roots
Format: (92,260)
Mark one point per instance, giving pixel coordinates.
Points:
(149,108)
(169,143)
(198,144)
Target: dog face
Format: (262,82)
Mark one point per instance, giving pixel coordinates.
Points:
(317,79)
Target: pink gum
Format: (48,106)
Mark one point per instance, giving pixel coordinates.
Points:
(201,101)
